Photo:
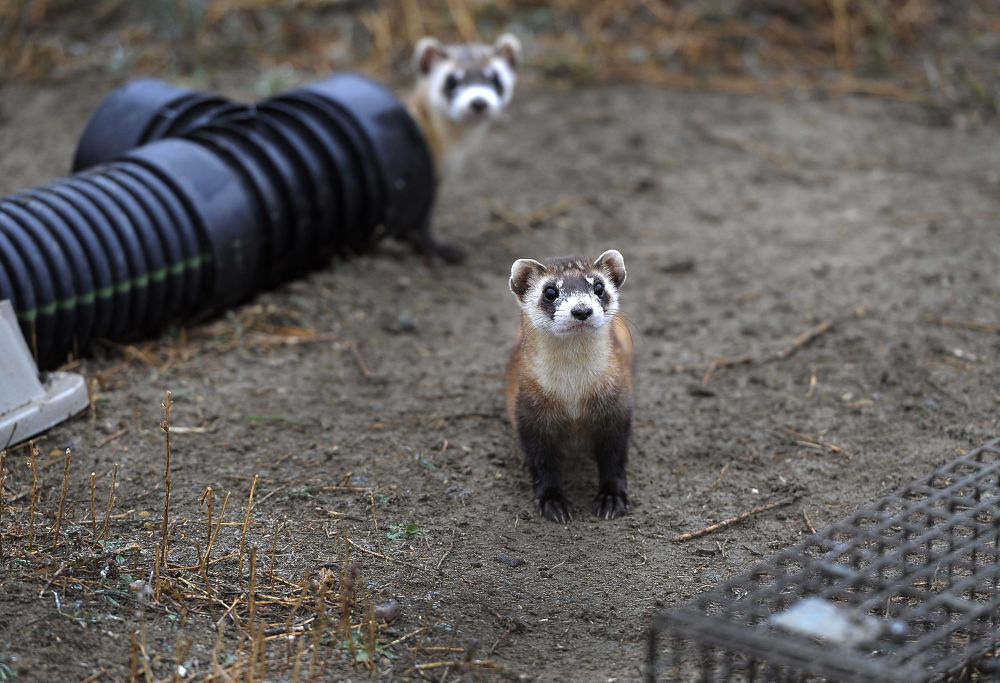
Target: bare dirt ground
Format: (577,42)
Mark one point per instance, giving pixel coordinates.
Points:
(367,397)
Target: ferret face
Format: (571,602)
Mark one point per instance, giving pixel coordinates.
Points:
(569,296)
(470,83)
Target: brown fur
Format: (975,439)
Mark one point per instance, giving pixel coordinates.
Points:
(618,386)
(441,134)
(450,140)
(572,392)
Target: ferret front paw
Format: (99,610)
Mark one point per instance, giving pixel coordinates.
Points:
(554,506)
(449,252)
(611,504)
(424,244)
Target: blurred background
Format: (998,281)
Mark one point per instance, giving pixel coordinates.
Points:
(943,53)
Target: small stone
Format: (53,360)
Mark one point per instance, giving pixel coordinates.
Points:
(677,266)
(699,390)
(387,611)
(457,491)
(402,323)
(644,184)
(510,560)
(637,54)
(820,269)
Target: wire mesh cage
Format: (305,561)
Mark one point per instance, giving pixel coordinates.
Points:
(903,591)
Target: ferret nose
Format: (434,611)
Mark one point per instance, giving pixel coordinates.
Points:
(478,105)
(582,311)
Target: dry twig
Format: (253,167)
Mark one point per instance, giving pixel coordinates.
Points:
(161,562)
(709,369)
(62,498)
(809,442)
(809,524)
(451,546)
(730,521)
(386,557)
(246,523)
(970,325)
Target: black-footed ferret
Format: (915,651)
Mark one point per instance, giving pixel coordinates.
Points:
(570,377)
(460,90)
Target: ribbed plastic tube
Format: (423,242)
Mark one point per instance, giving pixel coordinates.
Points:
(184,203)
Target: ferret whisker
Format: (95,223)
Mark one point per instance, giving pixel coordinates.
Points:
(629,324)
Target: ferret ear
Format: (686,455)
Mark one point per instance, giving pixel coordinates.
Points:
(612,262)
(521,274)
(428,51)
(508,48)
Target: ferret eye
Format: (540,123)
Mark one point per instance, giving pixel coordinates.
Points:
(497,84)
(599,288)
(551,293)
(450,83)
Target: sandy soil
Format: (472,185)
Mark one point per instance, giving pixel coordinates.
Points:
(744,222)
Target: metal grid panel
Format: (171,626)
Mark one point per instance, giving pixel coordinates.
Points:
(912,579)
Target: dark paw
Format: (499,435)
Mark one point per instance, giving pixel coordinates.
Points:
(450,253)
(424,244)
(554,506)
(608,505)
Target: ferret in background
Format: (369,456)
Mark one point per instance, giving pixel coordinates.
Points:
(461,89)
(570,378)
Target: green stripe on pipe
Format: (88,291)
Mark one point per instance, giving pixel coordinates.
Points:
(125,287)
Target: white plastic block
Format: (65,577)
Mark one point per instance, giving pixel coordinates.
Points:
(28,406)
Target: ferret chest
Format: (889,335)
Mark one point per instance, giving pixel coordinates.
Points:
(572,381)
(459,143)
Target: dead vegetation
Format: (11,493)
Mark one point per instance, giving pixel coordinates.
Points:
(220,580)
(921,50)
(735,519)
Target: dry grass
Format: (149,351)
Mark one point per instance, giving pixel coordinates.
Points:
(207,574)
(912,49)
(263,617)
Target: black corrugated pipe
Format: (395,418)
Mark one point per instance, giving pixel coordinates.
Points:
(247,196)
